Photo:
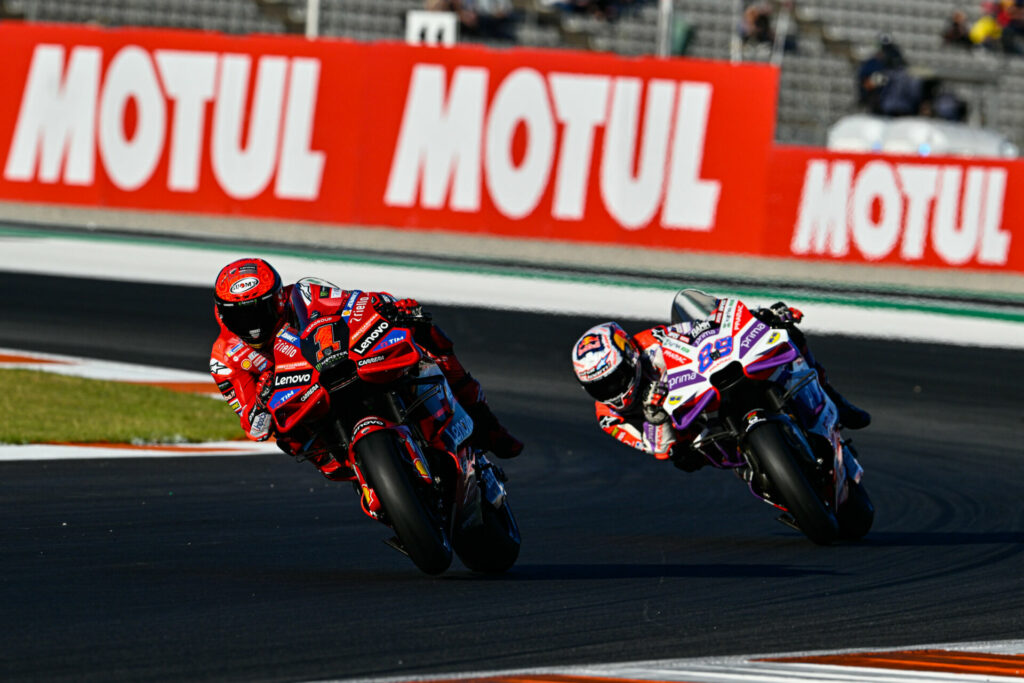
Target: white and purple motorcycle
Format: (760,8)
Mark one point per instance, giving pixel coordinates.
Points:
(751,403)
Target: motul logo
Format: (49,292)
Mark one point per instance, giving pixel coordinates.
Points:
(453,143)
(70,110)
(885,206)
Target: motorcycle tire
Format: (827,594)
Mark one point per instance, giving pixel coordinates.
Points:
(856,514)
(418,530)
(492,546)
(777,460)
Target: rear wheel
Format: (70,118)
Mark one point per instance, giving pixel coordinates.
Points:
(856,514)
(416,526)
(778,461)
(492,546)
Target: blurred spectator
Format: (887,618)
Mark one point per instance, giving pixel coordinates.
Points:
(756,27)
(884,86)
(1011,18)
(957,33)
(603,9)
(987,31)
(489,19)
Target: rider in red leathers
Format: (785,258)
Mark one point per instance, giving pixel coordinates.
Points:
(252,305)
(625,376)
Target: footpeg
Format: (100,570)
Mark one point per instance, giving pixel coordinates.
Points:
(393,542)
(789,521)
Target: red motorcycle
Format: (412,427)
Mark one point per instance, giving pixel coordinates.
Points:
(357,386)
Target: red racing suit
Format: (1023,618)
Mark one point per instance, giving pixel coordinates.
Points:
(241,371)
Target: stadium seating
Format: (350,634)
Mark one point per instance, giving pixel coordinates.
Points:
(817,81)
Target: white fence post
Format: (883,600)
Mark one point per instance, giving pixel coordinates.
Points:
(665,27)
(312,19)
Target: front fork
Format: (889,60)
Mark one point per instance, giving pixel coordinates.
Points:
(410,452)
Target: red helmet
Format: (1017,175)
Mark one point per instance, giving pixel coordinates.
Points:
(250,300)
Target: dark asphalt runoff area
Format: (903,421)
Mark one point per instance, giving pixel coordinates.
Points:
(257,569)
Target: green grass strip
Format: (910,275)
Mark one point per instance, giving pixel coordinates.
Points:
(43,407)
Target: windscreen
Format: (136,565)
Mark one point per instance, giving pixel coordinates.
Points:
(691,305)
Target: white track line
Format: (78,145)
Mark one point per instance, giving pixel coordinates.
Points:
(745,669)
(197,266)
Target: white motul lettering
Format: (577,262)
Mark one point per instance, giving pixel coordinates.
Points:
(67,119)
(880,212)
(644,167)
(821,221)
(301,169)
(631,199)
(57,118)
(441,139)
(130,77)
(995,243)
(581,105)
(876,182)
(956,244)
(918,184)
(521,99)
(189,79)
(690,203)
(245,170)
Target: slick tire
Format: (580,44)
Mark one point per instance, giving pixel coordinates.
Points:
(491,547)
(778,461)
(856,514)
(415,525)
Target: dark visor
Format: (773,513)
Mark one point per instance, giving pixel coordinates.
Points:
(612,386)
(253,321)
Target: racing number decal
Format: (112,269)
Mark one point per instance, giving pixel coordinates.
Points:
(712,351)
(325,342)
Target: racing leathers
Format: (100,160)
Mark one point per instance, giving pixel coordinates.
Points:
(244,375)
(646,425)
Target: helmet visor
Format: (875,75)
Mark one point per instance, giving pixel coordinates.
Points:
(253,321)
(612,386)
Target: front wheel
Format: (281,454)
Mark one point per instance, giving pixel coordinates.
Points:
(418,530)
(492,546)
(857,513)
(778,461)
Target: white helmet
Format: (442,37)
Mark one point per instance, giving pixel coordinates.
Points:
(607,363)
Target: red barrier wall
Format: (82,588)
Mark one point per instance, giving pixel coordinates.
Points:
(902,210)
(520,142)
(553,144)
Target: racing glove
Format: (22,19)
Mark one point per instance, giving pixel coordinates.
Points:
(405,312)
(653,399)
(264,387)
(780,315)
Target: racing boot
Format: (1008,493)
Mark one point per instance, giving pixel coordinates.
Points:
(850,416)
(489,434)
(331,468)
(322,459)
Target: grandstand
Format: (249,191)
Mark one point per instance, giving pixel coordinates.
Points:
(817,79)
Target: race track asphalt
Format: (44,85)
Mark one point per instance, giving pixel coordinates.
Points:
(252,569)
